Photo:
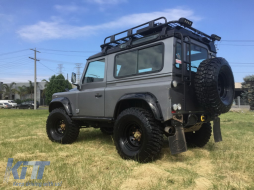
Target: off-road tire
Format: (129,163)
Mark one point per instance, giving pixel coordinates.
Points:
(214,85)
(201,137)
(151,141)
(107,130)
(71,131)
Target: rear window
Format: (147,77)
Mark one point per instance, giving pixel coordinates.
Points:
(139,61)
(198,54)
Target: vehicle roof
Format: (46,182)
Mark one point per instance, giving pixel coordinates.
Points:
(163,31)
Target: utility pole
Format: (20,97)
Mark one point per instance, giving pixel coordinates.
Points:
(1,89)
(78,66)
(60,67)
(35,90)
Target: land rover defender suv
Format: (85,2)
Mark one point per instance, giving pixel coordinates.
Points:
(158,78)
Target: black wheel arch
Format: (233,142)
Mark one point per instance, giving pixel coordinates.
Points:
(139,99)
(61,102)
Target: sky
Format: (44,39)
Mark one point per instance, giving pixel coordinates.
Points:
(67,32)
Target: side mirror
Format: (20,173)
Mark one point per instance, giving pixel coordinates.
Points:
(73,78)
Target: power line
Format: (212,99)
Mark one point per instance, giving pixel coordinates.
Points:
(67,50)
(15,57)
(46,66)
(238,40)
(13,52)
(64,54)
(5,63)
(51,60)
(235,45)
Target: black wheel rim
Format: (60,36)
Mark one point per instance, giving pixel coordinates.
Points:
(60,128)
(131,137)
(222,85)
(225,85)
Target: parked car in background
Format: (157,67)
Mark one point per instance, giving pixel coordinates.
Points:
(11,102)
(27,105)
(5,106)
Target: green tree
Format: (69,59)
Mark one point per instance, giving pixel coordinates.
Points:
(54,85)
(21,91)
(248,86)
(9,90)
(30,89)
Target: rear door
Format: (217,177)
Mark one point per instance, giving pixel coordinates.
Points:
(92,93)
(187,59)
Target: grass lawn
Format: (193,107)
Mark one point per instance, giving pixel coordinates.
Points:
(93,163)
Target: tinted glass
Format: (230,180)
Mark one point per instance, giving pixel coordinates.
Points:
(198,54)
(144,60)
(178,55)
(126,64)
(150,59)
(95,71)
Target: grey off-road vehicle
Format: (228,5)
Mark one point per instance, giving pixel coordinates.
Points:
(158,78)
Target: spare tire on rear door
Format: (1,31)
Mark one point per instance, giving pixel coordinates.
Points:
(214,85)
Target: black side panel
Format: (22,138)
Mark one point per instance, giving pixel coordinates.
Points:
(61,101)
(177,94)
(147,97)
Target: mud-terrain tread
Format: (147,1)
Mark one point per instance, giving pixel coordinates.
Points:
(155,134)
(73,129)
(206,82)
(201,137)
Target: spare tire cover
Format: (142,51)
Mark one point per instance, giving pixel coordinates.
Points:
(214,85)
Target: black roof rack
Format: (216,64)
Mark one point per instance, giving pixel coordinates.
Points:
(153,27)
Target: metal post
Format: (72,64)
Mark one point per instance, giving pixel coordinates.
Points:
(238,100)
(35,92)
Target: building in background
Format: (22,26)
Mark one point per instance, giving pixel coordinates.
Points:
(14,96)
(1,89)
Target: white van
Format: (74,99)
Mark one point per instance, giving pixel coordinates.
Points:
(11,102)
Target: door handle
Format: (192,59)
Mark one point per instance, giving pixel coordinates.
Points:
(98,95)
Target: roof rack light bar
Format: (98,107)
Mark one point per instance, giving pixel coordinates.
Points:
(215,37)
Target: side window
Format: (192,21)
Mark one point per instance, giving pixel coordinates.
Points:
(95,72)
(150,59)
(178,59)
(126,64)
(140,61)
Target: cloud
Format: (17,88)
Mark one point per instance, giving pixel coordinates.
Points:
(104,2)
(58,29)
(69,8)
